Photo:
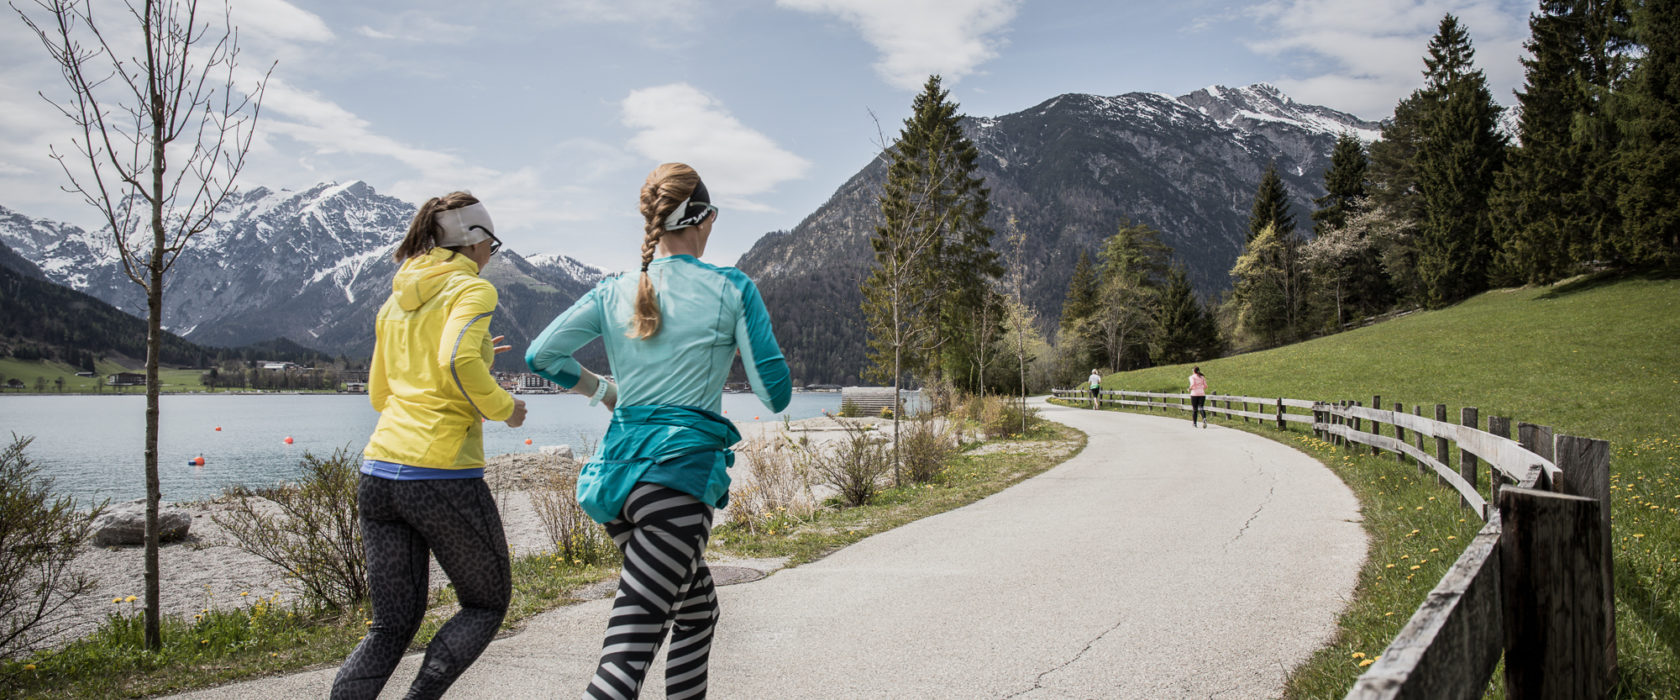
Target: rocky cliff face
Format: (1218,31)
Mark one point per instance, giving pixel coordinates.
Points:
(1069,170)
(310,266)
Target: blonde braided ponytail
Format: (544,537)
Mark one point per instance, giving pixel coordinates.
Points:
(666,187)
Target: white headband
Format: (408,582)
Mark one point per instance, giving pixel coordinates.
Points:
(673,221)
(464,226)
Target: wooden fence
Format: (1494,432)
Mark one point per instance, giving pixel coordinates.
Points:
(1535,584)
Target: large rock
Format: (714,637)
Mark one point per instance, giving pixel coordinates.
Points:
(125,524)
(563,451)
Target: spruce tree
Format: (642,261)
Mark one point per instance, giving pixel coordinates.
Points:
(1365,287)
(1184,330)
(1393,170)
(1269,284)
(1134,270)
(1536,202)
(1650,150)
(1460,151)
(1345,184)
(1271,205)
(1077,308)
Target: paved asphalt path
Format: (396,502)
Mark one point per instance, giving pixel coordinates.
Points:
(1163,561)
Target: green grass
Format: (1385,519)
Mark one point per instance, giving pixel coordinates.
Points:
(966,478)
(173,380)
(1598,358)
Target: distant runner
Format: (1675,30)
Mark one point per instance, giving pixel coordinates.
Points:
(1198,396)
(1096,385)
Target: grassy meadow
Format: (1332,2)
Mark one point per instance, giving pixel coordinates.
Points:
(27,371)
(1598,358)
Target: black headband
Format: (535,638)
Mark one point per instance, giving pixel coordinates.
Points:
(691,211)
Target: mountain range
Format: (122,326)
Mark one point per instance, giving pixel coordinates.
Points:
(1070,170)
(314,266)
(311,266)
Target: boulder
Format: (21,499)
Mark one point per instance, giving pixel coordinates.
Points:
(125,524)
(564,451)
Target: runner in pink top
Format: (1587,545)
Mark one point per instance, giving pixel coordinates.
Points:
(1198,396)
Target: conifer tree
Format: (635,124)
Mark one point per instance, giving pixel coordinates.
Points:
(1134,269)
(1650,150)
(1460,151)
(1344,183)
(1364,284)
(1185,331)
(1271,205)
(1394,159)
(1077,308)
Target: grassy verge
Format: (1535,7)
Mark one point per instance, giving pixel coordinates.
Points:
(1596,358)
(267,637)
(967,478)
(28,371)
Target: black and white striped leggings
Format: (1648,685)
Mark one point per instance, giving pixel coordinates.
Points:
(665,587)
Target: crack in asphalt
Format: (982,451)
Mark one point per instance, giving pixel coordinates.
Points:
(1038,683)
(1270,492)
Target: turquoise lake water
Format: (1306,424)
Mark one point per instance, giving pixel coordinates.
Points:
(93,446)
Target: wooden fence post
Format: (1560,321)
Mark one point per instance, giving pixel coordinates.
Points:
(1466,460)
(1536,439)
(1501,426)
(1399,434)
(1585,467)
(1281,424)
(1551,583)
(1418,411)
(1376,428)
(1341,420)
(1442,452)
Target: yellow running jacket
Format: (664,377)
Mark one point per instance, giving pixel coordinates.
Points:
(430,376)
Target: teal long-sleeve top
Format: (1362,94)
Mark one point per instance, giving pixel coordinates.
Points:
(708,313)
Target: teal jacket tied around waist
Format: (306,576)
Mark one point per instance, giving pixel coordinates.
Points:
(667,429)
(644,437)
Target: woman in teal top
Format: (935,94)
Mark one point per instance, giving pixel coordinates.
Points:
(671,335)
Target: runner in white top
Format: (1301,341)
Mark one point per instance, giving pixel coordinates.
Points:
(1096,384)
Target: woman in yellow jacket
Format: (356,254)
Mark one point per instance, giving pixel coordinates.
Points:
(422,488)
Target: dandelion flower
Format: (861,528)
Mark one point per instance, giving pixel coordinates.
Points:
(1366,662)
(1359,655)
(129,599)
(1415,567)
(114,601)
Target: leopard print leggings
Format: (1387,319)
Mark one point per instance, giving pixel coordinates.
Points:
(402,522)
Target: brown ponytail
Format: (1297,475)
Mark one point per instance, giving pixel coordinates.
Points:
(666,187)
(423,230)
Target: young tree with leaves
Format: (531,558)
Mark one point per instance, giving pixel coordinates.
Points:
(1134,268)
(164,136)
(1363,285)
(1078,306)
(1269,289)
(1460,151)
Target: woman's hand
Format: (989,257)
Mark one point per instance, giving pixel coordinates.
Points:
(517,418)
(500,348)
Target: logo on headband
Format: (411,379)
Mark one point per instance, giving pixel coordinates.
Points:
(692,211)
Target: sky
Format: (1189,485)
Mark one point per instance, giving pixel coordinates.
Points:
(553,111)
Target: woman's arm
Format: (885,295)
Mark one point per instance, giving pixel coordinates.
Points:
(379,391)
(767,370)
(550,355)
(461,352)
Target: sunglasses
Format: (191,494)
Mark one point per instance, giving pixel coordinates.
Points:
(495,244)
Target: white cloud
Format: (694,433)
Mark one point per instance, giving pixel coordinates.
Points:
(280,20)
(417,26)
(677,122)
(918,38)
(1363,57)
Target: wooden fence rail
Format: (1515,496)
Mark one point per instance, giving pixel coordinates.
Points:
(1534,586)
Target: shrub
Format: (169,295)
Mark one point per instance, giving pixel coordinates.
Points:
(1002,416)
(853,467)
(39,535)
(576,537)
(924,444)
(886,412)
(848,409)
(312,532)
(776,486)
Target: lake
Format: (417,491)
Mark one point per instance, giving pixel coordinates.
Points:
(93,446)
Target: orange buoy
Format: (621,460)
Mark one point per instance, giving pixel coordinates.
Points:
(527,441)
(199,460)
(288,439)
(755,417)
(218,428)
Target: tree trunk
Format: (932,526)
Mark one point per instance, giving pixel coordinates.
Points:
(154,334)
